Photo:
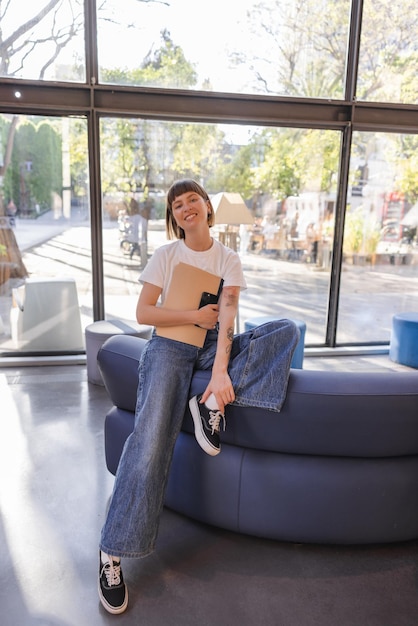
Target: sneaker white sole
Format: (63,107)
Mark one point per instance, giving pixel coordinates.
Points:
(203,442)
(111,609)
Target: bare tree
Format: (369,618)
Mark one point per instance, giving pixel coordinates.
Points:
(301,49)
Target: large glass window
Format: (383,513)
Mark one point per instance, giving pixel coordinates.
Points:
(389,53)
(45,251)
(42,40)
(286,177)
(380,266)
(273,47)
(287,61)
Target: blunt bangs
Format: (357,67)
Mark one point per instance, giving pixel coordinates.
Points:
(183,186)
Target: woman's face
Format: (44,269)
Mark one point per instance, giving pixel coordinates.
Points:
(190,211)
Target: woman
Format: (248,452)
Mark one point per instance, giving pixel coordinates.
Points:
(248,369)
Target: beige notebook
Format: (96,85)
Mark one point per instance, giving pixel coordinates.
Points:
(184,293)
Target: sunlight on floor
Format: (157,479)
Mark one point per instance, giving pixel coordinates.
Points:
(19,484)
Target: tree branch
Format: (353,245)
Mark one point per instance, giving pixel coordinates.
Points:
(24,28)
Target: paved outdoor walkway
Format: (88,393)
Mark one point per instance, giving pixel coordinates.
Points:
(369,296)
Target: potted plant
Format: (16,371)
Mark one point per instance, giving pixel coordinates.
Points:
(360,239)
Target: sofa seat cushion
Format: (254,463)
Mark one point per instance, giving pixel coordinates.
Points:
(354,414)
(365,414)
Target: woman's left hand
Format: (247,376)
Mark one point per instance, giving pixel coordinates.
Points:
(221,386)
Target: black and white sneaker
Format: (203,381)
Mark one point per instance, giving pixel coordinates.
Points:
(113,593)
(206,426)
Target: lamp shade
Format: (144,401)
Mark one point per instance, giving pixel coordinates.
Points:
(230,208)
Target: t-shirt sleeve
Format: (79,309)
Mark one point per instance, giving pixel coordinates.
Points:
(154,271)
(233,274)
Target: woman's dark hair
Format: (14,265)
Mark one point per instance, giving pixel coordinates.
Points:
(177,189)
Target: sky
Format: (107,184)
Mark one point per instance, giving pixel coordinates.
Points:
(206,31)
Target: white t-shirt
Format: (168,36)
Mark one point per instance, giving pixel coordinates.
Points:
(218,260)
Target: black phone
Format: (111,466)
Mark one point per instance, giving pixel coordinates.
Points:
(211,298)
(208,298)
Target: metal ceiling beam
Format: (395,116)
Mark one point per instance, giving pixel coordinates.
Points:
(36,98)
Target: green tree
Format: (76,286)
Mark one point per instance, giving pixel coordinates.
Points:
(166,66)
(295,160)
(320,155)
(128,155)
(407,161)
(388,54)
(36,166)
(47,164)
(281,169)
(236,172)
(22,164)
(78,160)
(197,151)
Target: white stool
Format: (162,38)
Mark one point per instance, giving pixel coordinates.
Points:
(96,335)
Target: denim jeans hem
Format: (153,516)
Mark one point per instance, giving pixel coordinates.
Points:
(127,555)
(258,404)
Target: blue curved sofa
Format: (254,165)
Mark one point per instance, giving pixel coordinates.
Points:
(338,464)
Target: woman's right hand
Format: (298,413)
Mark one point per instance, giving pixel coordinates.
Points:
(207,316)
(147,311)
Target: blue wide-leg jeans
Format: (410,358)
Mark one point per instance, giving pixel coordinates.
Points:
(259,370)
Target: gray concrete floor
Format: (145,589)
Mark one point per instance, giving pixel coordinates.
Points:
(54,488)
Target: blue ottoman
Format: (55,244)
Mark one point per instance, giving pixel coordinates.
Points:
(404,339)
(297,360)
